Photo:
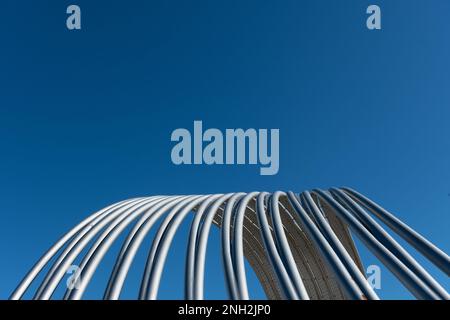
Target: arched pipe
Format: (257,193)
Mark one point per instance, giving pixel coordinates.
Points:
(238,248)
(180,207)
(275,260)
(425,247)
(71,252)
(339,249)
(42,262)
(227,257)
(347,283)
(102,244)
(113,279)
(191,251)
(403,273)
(200,252)
(156,269)
(284,249)
(389,242)
(134,240)
(241,224)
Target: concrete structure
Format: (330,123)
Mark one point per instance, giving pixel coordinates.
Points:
(299,246)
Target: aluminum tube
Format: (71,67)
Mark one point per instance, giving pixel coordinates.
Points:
(227,257)
(403,273)
(124,248)
(275,260)
(390,243)
(191,251)
(143,290)
(42,262)
(144,225)
(428,249)
(238,248)
(343,276)
(200,256)
(283,245)
(71,252)
(164,246)
(337,246)
(102,244)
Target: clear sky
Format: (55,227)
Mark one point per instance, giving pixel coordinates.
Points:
(86,116)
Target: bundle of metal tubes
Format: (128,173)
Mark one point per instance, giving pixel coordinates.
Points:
(299,246)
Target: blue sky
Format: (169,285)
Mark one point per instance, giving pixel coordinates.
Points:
(86,116)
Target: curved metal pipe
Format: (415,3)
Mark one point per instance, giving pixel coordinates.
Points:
(284,248)
(428,249)
(278,244)
(227,257)
(97,251)
(344,277)
(70,253)
(337,246)
(199,266)
(124,248)
(155,269)
(402,272)
(42,262)
(191,252)
(275,260)
(390,243)
(136,237)
(238,247)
